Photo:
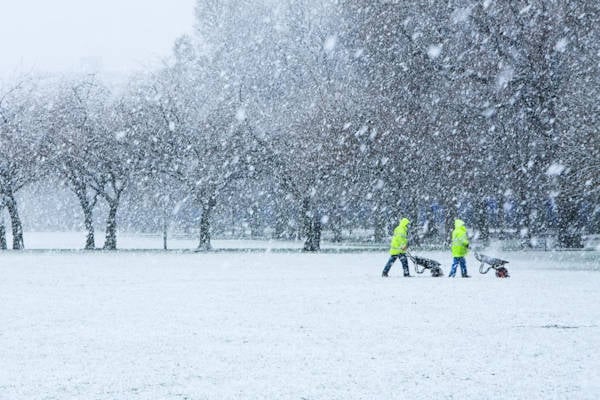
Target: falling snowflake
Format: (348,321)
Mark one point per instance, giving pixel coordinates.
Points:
(561,45)
(434,51)
(240,115)
(555,169)
(330,43)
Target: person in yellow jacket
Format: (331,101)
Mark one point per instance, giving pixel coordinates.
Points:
(398,247)
(460,245)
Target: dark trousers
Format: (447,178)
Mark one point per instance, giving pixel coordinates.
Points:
(392,259)
(463,266)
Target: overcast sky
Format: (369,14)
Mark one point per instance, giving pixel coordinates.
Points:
(65,35)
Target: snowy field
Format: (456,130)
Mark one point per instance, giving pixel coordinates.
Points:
(154,325)
(74,241)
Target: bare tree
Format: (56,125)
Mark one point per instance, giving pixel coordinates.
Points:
(74,123)
(20,140)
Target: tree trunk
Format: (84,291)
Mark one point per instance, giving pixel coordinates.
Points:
(3,245)
(110,242)
(313,237)
(481,219)
(207,207)
(451,213)
(279,226)
(87,207)
(305,219)
(569,229)
(255,228)
(165,231)
(233,222)
(88,221)
(336,226)
(15,220)
(90,241)
(434,229)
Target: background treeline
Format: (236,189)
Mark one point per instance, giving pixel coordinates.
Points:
(293,119)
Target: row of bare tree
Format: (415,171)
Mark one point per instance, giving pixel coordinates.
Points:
(320,115)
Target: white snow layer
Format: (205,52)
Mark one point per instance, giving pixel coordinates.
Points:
(156,325)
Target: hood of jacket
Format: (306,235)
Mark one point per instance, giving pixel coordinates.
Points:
(404,222)
(459,223)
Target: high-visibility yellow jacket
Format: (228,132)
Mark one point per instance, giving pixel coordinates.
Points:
(460,241)
(399,242)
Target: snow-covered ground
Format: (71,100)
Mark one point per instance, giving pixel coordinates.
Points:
(76,240)
(231,325)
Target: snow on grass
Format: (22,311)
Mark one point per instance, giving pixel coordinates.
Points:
(129,325)
(76,241)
